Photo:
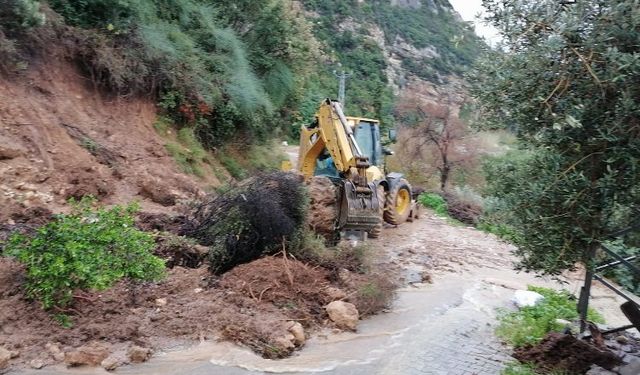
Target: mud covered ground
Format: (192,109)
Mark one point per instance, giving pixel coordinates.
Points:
(255,305)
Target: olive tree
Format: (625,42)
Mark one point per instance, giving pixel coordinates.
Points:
(566,81)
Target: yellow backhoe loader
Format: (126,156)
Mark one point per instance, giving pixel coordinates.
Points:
(349,151)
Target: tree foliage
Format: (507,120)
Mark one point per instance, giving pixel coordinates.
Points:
(567,84)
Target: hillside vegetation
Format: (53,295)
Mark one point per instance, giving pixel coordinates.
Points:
(249,67)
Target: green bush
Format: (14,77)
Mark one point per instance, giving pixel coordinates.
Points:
(530,324)
(233,167)
(86,249)
(435,202)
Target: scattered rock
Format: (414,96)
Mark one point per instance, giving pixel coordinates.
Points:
(5,356)
(526,298)
(111,363)
(161,302)
(285,342)
(88,355)
(153,190)
(198,290)
(138,354)
(344,314)
(295,328)
(9,153)
(426,278)
(55,351)
(36,364)
(622,339)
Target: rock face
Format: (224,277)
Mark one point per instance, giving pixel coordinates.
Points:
(89,355)
(343,314)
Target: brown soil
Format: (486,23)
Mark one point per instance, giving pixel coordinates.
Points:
(323,210)
(566,353)
(253,305)
(61,138)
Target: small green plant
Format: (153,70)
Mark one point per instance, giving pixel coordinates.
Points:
(162,124)
(516,368)
(435,202)
(86,249)
(184,158)
(233,167)
(89,144)
(530,324)
(503,231)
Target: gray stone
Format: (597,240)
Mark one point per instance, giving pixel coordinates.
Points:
(36,364)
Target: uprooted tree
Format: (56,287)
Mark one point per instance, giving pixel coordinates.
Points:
(255,218)
(568,85)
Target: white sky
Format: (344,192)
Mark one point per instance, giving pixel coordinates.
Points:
(468,10)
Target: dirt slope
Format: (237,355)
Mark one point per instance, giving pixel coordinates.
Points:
(60,137)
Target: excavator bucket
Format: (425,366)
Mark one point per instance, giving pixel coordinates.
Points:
(359,209)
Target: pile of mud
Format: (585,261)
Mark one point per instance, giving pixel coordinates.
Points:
(323,209)
(255,304)
(565,353)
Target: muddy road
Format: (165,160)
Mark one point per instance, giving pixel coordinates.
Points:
(452,281)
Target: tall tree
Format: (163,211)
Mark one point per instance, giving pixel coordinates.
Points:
(567,82)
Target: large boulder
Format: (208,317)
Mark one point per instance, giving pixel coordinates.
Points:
(343,314)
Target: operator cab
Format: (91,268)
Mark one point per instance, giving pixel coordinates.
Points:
(367,134)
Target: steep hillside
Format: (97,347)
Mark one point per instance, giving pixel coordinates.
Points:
(60,138)
(129,103)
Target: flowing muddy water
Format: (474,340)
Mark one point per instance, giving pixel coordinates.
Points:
(441,328)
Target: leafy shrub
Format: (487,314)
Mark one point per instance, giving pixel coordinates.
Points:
(86,249)
(435,202)
(503,231)
(530,324)
(621,274)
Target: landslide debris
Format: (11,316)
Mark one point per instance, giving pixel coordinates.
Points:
(323,207)
(253,219)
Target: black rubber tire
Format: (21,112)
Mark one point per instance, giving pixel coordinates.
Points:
(391,216)
(377,230)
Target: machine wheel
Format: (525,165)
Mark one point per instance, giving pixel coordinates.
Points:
(398,203)
(377,230)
